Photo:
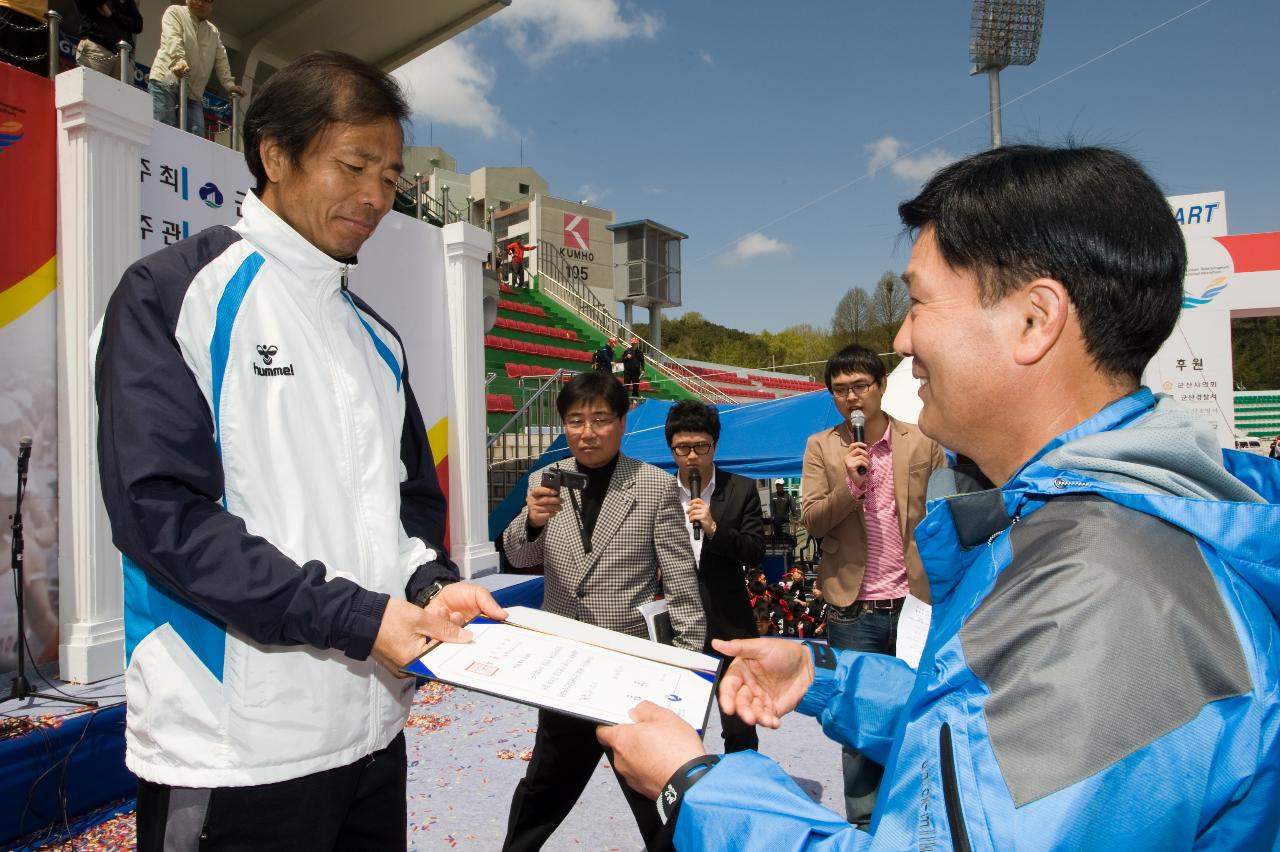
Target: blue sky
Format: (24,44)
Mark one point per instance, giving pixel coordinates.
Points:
(782,136)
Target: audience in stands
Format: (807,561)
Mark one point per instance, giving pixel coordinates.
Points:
(103,25)
(621,542)
(24,35)
(190,48)
(725,531)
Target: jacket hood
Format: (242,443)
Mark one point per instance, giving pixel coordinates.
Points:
(1149,453)
(1145,452)
(1162,449)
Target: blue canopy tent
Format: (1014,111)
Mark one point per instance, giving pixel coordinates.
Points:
(758,440)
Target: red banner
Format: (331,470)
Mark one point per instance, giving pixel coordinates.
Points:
(28,173)
(28,331)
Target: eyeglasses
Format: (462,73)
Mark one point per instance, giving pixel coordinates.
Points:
(682,450)
(857,389)
(597,423)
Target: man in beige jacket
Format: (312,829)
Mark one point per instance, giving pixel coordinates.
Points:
(190,47)
(864,499)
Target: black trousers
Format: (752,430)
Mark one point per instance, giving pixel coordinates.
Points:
(632,381)
(358,806)
(565,755)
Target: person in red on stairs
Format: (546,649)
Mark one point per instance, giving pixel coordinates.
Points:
(515,262)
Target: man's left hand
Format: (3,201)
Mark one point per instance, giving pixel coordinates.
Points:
(238,91)
(648,752)
(461,602)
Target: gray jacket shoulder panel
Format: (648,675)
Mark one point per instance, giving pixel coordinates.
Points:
(1105,632)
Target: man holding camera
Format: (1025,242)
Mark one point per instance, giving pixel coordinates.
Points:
(610,534)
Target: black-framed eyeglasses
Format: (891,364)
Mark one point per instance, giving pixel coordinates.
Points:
(597,422)
(682,450)
(857,389)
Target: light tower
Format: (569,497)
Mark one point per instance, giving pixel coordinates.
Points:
(1003,33)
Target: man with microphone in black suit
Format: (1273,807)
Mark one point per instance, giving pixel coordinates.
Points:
(726,531)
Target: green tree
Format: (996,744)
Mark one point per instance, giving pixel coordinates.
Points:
(1255,352)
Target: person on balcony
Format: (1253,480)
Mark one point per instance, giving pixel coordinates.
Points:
(103,25)
(190,47)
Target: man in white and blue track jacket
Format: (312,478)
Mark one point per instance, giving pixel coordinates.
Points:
(270,487)
(1101,671)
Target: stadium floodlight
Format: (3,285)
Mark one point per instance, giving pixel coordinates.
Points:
(1003,33)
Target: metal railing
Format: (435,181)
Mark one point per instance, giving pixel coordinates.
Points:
(577,297)
(525,436)
(434,209)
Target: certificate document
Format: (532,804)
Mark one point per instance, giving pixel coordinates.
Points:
(549,661)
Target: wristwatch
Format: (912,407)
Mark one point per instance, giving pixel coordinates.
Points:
(425,596)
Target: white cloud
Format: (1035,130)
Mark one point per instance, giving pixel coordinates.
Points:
(450,85)
(752,246)
(705,56)
(592,194)
(540,29)
(887,151)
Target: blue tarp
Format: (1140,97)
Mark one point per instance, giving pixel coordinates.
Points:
(758,440)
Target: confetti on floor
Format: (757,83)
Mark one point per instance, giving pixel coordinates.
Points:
(466,753)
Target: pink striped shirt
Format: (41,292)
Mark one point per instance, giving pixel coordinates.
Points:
(885,577)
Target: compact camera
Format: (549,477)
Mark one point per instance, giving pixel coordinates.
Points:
(556,478)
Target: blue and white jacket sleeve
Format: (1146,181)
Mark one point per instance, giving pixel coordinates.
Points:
(163,483)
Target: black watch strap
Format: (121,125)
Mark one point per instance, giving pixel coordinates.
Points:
(823,656)
(673,791)
(428,592)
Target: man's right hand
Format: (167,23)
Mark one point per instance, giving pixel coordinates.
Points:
(857,457)
(405,632)
(543,505)
(180,68)
(766,680)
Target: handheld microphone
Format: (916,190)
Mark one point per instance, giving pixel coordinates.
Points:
(24,457)
(858,420)
(695,488)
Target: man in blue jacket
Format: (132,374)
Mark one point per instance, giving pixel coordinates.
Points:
(1101,670)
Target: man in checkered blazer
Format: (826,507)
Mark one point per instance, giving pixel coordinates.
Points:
(604,551)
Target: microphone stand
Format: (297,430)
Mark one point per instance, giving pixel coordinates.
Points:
(20,688)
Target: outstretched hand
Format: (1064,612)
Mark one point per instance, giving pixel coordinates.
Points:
(766,680)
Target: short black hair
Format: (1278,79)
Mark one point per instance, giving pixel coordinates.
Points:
(1090,218)
(854,358)
(592,385)
(311,94)
(692,416)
